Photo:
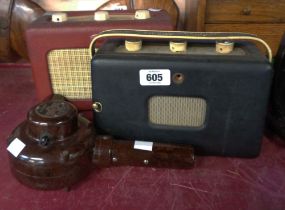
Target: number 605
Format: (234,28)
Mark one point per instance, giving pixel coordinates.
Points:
(154,77)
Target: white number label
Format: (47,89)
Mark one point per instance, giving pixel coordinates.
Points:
(16,147)
(143,145)
(154,77)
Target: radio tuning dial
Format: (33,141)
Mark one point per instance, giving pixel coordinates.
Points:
(142,14)
(59,17)
(224,47)
(101,16)
(97,107)
(133,45)
(178,46)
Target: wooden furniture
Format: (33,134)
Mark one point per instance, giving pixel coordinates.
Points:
(15,16)
(266,18)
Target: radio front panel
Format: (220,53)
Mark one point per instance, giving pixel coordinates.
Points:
(213,101)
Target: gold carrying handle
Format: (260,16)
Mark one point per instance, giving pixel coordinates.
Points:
(178,35)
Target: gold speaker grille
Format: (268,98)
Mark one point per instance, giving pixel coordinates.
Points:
(177,111)
(70,73)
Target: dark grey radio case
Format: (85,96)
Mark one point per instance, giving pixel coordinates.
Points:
(215,102)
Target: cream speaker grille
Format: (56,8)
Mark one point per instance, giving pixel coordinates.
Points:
(70,73)
(177,111)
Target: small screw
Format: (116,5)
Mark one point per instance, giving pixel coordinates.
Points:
(65,155)
(178,78)
(145,162)
(44,141)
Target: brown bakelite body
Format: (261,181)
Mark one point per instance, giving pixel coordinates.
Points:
(111,152)
(58,150)
(62,148)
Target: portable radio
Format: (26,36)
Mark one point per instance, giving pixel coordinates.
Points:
(209,90)
(58,48)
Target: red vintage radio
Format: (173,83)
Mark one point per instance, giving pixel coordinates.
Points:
(58,48)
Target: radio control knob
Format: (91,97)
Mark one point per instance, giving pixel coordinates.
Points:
(59,17)
(133,45)
(101,16)
(97,107)
(142,14)
(178,46)
(224,47)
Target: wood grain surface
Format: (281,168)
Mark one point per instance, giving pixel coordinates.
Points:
(271,33)
(257,11)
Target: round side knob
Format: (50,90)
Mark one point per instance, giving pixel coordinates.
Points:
(59,17)
(101,16)
(133,45)
(97,107)
(224,47)
(142,14)
(178,46)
